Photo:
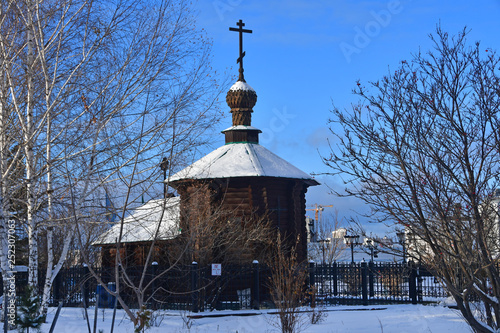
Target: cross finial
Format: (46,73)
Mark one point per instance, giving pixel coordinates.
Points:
(240,29)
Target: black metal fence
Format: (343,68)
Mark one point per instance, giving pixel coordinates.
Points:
(244,286)
(369,283)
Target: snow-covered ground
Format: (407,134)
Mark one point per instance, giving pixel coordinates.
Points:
(388,319)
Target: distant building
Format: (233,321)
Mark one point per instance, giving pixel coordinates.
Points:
(418,248)
(339,233)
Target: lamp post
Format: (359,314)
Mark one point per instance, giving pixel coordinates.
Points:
(323,247)
(352,240)
(373,252)
(402,240)
(164,167)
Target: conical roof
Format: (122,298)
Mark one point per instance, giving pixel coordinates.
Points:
(242,160)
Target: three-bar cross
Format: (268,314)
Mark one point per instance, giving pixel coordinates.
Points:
(240,29)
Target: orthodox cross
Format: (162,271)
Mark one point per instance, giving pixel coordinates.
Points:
(240,29)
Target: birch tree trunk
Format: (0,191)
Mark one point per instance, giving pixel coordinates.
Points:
(28,145)
(4,210)
(82,78)
(8,168)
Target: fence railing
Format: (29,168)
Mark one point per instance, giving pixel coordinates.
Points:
(375,283)
(244,286)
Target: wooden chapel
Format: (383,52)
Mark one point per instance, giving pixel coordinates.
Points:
(244,178)
(241,180)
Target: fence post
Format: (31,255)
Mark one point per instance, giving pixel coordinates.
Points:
(419,285)
(412,283)
(334,273)
(57,285)
(5,320)
(154,266)
(371,278)
(255,289)
(312,275)
(312,282)
(194,286)
(364,282)
(86,276)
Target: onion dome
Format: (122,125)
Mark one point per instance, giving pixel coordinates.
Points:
(241,98)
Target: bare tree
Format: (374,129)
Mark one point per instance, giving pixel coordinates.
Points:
(422,149)
(212,234)
(222,235)
(288,286)
(93,93)
(329,244)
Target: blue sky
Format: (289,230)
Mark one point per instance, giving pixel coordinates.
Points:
(304,56)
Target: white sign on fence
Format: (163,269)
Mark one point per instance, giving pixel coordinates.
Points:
(216,269)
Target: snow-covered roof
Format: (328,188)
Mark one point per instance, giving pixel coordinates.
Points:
(240,85)
(241,160)
(142,224)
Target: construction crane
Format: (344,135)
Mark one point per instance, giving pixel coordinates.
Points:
(318,208)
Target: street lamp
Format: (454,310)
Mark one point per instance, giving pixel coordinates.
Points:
(164,168)
(352,240)
(323,248)
(402,240)
(373,251)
